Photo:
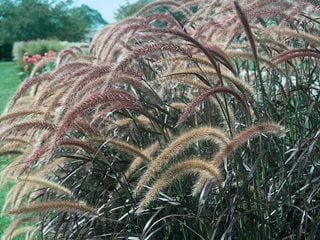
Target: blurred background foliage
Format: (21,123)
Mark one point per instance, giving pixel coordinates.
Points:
(42,19)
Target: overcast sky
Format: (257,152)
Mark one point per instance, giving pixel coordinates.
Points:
(105,7)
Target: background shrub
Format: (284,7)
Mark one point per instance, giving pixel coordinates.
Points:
(29,53)
(36,47)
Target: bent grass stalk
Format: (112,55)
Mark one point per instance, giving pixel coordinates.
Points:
(136,163)
(237,141)
(182,168)
(67,206)
(20,113)
(190,108)
(46,183)
(178,145)
(121,145)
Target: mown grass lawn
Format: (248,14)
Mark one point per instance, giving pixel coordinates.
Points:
(9,82)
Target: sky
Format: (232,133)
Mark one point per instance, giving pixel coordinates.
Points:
(105,7)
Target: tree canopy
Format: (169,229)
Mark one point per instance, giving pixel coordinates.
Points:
(128,9)
(24,20)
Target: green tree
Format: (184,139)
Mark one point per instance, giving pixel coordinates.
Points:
(128,9)
(24,20)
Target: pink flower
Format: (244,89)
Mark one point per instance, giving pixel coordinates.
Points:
(37,57)
(51,53)
(25,58)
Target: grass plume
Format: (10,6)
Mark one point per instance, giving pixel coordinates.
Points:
(193,165)
(190,108)
(237,141)
(175,147)
(67,206)
(121,145)
(46,183)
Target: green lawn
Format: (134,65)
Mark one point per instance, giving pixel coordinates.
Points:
(9,82)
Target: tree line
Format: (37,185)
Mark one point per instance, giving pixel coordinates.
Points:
(25,20)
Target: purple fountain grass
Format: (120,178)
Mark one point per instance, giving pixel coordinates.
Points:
(248,55)
(204,95)
(38,180)
(19,145)
(136,163)
(124,146)
(126,28)
(150,6)
(190,39)
(50,167)
(33,157)
(65,55)
(129,122)
(10,152)
(285,32)
(86,146)
(174,172)
(294,53)
(24,230)
(225,7)
(244,136)
(18,139)
(68,69)
(107,46)
(182,77)
(25,126)
(129,28)
(224,58)
(272,12)
(147,50)
(296,11)
(171,22)
(209,25)
(26,86)
(270,43)
(53,105)
(62,80)
(258,4)
(113,121)
(204,13)
(87,127)
(41,64)
(93,74)
(138,84)
(97,98)
(177,146)
(78,49)
(67,206)
(19,113)
(96,41)
(315,3)
(236,142)
(248,31)
(13,195)
(105,111)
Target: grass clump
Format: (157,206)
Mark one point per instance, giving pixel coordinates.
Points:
(197,122)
